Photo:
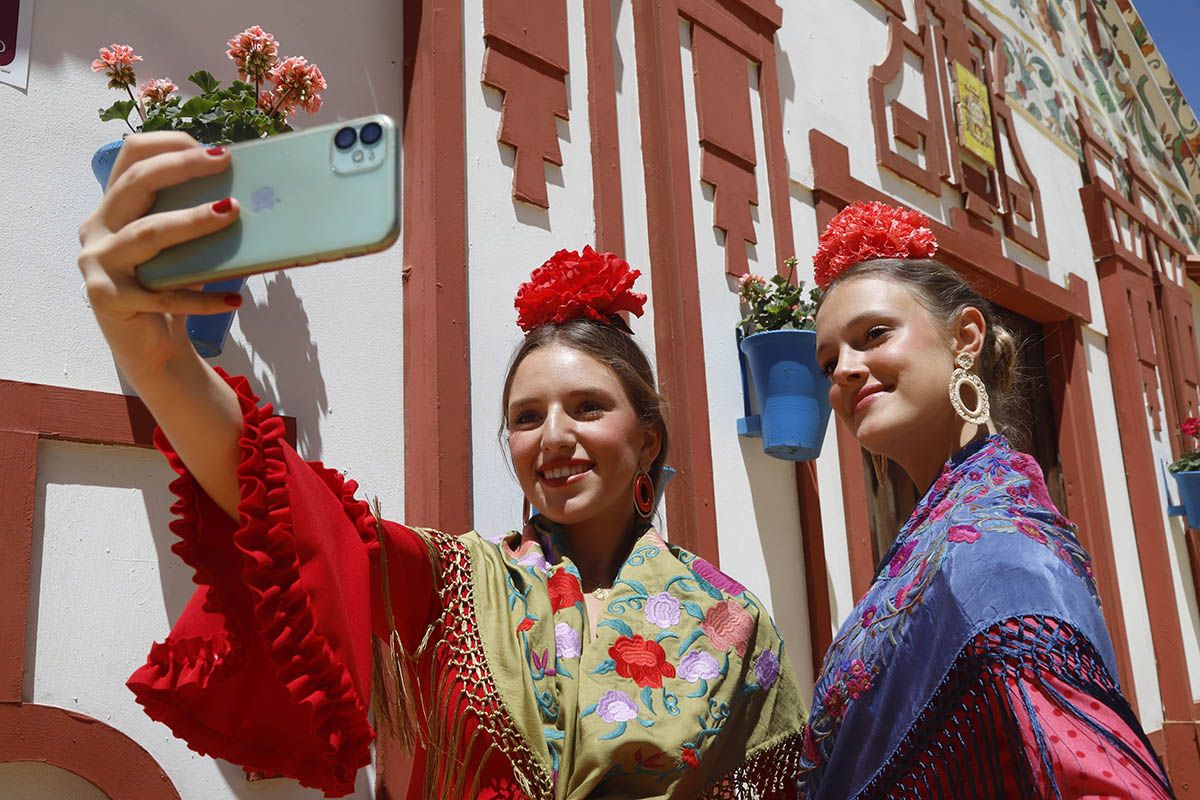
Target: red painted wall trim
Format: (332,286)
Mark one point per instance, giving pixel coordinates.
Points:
(1079,454)
(607,203)
(680,352)
(978,254)
(108,759)
(816,573)
(95,751)
(18,490)
(1141,472)
(437,400)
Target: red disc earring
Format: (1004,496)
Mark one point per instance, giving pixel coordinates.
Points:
(643,495)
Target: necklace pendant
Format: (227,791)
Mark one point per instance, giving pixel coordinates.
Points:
(600,593)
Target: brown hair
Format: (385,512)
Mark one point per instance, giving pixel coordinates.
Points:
(616,350)
(945,294)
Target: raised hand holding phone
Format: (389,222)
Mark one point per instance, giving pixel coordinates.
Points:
(319,195)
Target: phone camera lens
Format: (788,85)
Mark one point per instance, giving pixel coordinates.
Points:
(372,132)
(344,138)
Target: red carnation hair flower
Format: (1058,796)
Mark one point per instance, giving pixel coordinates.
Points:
(865,231)
(572,285)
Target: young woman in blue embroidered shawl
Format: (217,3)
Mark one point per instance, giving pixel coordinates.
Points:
(978,663)
(579,657)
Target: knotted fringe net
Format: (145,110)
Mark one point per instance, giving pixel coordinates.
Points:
(969,736)
(447,703)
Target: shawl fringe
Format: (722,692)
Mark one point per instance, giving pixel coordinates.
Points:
(446,682)
(973,712)
(772,771)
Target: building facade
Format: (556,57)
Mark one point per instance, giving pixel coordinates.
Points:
(701,139)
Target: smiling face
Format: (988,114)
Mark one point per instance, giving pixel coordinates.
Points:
(889,365)
(575,438)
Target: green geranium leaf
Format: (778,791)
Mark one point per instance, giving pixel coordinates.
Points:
(197,106)
(204,79)
(117,111)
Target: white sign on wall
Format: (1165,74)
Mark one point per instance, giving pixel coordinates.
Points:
(15,19)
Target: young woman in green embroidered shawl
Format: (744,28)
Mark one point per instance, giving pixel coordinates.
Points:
(582,656)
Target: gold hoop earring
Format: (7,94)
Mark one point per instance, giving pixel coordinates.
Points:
(982,413)
(883,477)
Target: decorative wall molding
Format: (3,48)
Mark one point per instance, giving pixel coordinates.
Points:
(727,152)
(527,59)
(1128,246)
(922,146)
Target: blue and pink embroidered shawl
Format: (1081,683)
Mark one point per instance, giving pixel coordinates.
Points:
(983,608)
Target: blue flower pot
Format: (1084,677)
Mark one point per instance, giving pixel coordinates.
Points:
(208,331)
(1189,495)
(793,395)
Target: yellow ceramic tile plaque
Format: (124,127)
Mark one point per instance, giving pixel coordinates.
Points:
(974,115)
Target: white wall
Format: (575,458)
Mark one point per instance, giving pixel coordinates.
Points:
(324,342)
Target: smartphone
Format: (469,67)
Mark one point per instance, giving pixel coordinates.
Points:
(317,195)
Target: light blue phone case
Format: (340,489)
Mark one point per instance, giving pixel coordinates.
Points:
(303,200)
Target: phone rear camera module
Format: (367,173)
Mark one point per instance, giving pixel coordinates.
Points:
(344,139)
(372,132)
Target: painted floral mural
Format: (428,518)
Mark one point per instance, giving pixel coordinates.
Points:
(1100,51)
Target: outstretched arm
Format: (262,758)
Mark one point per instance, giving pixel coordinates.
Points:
(145,330)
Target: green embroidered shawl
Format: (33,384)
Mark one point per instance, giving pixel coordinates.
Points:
(686,691)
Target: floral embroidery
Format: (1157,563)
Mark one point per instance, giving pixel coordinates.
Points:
(858,678)
(901,558)
(616,706)
(534,559)
(766,668)
(990,491)
(1031,529)
(728,625)
(714,576)
(663,610)
(698,665)
(564,589)
(642,660)
(662,631)
(963,533)
(567,641)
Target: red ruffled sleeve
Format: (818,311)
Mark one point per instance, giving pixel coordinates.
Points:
(270,664)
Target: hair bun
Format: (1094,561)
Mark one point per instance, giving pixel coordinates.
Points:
(1003,358)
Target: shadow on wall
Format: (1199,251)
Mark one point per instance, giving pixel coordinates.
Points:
(279,357)
(783,552)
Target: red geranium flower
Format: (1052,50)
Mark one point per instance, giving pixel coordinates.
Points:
(642,660)
(571,286)
(865,231)
(565,590)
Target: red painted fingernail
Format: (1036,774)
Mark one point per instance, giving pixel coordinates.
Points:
(234,300)
(215,151)
(223,206)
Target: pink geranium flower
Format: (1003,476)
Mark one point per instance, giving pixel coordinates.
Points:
(255,52)
(297,84)
(116,61)
(157,90)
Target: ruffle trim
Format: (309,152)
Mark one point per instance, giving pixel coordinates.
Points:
(772,771)
(304,660)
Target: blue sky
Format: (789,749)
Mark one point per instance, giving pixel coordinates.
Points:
(1174,25)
